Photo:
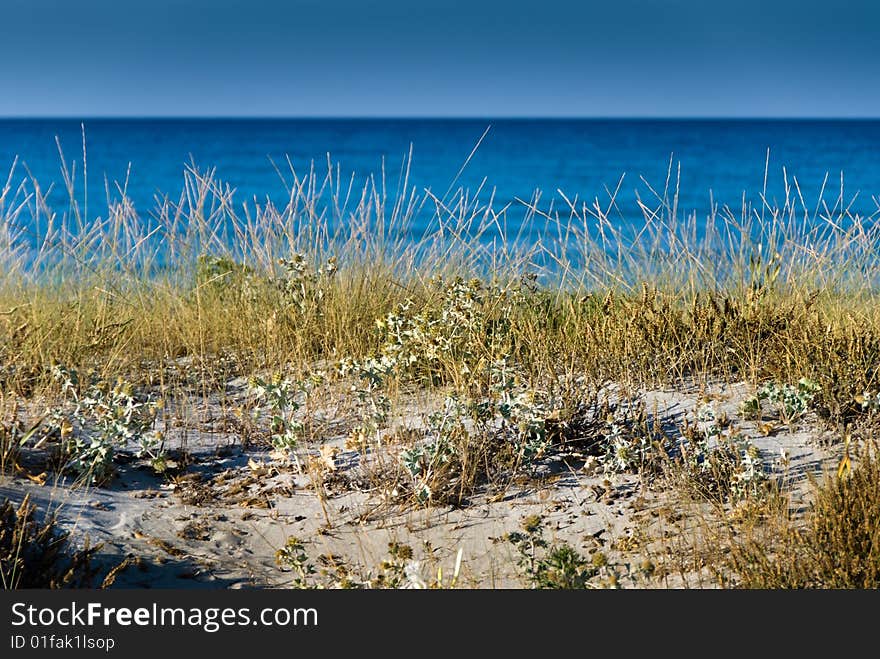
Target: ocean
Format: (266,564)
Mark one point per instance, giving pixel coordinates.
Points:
(714,161)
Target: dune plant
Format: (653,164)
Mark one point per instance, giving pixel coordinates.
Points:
(38,553)
(555,565)
(835,545)
(105,418)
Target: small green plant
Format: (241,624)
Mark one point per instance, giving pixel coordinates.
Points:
(396,571)
(717,462)
(498,426)
(218,271)
(791,401)
(105,417)
(372,404)
(523,411)
(709,421)
(626,452)
(227,281)
(292,557)
(550,566)
(282,399)
(427,462)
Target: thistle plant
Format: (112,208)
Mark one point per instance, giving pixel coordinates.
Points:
(303,286)
(791,401)
(723,466)
(708,420)
(372,404)
(461,328)
(282,399)
(628,443)
(502,416)
(625,452)
(105,418)
(523,411)
(426,460)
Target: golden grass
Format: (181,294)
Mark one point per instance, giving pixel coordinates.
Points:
(201,291)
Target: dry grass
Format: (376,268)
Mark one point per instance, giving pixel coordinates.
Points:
(204,290)
(834,544)
(768,293)
(37,554)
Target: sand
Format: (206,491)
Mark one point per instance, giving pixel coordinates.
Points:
(219,523)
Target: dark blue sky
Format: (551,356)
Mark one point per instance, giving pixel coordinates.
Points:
(439,58)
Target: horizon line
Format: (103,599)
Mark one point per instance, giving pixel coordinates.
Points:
(279,117)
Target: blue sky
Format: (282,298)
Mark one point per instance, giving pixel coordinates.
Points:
(478,58)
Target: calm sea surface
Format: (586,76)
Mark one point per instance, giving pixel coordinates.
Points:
(517,157)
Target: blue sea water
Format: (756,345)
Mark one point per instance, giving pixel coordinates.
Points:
(583,158)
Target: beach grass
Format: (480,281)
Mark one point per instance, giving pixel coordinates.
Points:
(522,330)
